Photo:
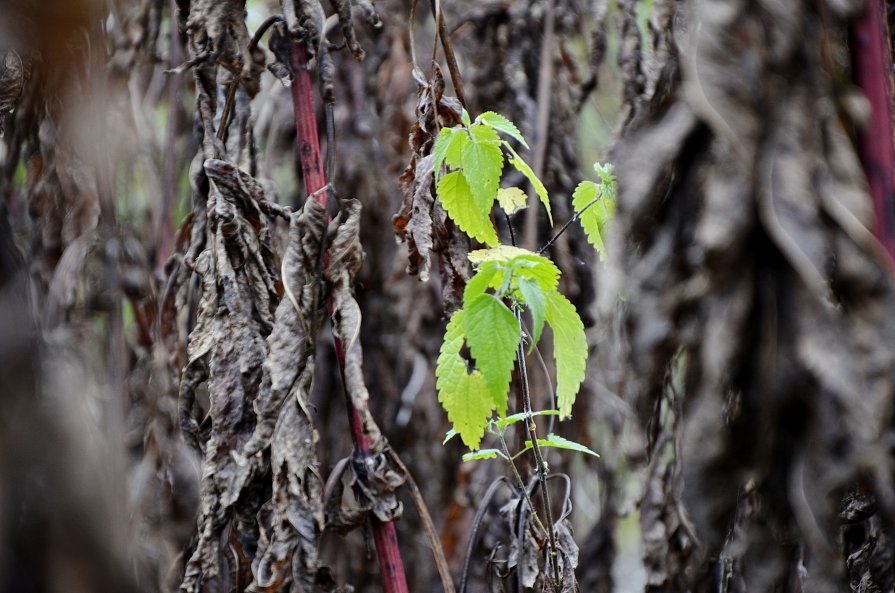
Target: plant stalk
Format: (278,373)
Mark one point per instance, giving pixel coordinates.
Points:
(871,70)
(539,458)
(391,566)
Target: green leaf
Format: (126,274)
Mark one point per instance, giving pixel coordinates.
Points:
(449,149)
(523,168)
(464,117)
(499,122)
(453,153)
(569,349)
(558,442)
(484,278)
(484,454)
(492,333)
(464,395)
(455,196)
(537,267)
(501,253)
(448,436)
(482,166)
(597,215)
(511,199)
(514,418)
(533,298)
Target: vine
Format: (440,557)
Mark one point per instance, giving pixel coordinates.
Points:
(469,162)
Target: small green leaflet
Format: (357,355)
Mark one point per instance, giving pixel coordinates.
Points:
(448,436)
(484,454)
(554,440)
(534,299)
(492,333)
(455,196)
(511,199)
(489,275)
(595,206)
(522,263)
(569,349)
(523,168)
(482,166)
(464,117)
(464,395)
(501,423)
(499,122)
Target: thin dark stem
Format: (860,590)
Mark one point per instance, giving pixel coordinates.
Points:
(476,524)
(575,217)
(539,458)
(521,484)
(234,83)
(510,226)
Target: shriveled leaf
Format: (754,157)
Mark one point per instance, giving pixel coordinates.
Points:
(558,442)
(569,349)
(464,395)
(539,188)
(514,418)
(456,197)
(511,199)
(492,333)
(482,166)
(484,454)
(501,123)
(533,298)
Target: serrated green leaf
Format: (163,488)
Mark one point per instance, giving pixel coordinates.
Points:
(537,267)
(489,275)
(483,454)
(594,216)
(533,298)
(499,122)
(501,253)
(482,166)
(455,196)
(514,418)
(511,199)
(523,168)
(558,442)
(492,333)
(464,395)
(448,436)
(569,349)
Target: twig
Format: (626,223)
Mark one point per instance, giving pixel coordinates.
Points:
(476,523)
(575,217)
(431,534)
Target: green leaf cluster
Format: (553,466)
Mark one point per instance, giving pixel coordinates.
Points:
(469,162)
(493,335)
(594,204)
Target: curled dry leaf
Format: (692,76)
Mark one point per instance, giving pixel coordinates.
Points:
(422,222)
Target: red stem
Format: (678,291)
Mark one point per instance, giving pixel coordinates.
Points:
(870,65)
(391,567)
